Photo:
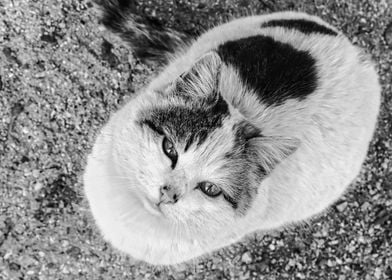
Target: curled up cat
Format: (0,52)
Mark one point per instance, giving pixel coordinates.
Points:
(259,123)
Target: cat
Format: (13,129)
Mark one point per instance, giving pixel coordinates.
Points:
(259,123)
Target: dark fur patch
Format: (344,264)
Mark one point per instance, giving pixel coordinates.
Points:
(302,25)
(243,189)
(245,171)
(275,70)
(149,39)
(232,200)
(188,124)
(153,127)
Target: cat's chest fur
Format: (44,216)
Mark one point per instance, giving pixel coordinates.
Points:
(291,76)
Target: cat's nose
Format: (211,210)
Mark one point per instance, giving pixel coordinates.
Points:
(169,194)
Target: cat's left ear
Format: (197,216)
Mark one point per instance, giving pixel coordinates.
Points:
(269,151)
(266,152)
(203,76)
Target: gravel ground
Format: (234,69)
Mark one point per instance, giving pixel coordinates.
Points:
(62,74)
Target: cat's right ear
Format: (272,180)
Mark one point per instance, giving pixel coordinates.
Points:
(203,76)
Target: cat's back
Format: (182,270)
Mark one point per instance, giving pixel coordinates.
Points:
(284,56)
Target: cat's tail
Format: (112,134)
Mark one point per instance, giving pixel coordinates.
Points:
(149,40)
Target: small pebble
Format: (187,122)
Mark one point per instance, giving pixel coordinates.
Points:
(65,243)
(246,258)
(341,206)
(377,273)
(38,186)
(35,173)
(330,263)
(365,206)
(388,34)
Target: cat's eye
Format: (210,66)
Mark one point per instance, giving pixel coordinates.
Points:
(209,189)
(169,150)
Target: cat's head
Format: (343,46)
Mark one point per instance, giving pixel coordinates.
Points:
(192,157)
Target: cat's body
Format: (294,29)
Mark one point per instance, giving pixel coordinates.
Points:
(277,111)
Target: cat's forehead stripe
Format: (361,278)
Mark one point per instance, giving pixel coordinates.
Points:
(301,25)
(153,127)
(192,122)
(275,70)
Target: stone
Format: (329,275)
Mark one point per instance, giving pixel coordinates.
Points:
(246,258)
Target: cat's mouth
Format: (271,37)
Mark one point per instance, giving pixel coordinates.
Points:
(152,207)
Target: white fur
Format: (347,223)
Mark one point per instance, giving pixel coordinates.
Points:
(334,125)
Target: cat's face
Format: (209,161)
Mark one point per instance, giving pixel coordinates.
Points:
(190,157)
(199,164)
